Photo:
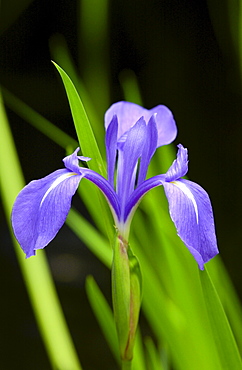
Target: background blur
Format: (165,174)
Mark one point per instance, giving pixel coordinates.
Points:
(185,56)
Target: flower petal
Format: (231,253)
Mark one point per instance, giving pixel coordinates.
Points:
(179,167)
(41,208)
(111,148)
(166,125)
(129,113)
(71,162)
(191,211)
(128,159)
(149,149)
(106,189)
(139,192)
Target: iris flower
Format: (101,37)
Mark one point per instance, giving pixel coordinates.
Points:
(133,134)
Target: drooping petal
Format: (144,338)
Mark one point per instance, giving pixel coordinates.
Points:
(41,208)
(106,188)
(191,211)
(128,158)
(129,113)
(139,192)
(111,148)
(179,167)
(149,149)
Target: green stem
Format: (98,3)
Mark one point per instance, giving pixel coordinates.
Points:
(126,365)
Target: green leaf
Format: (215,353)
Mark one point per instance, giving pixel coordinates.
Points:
(104,315)
(82,125)
(224,339)
(228,296)
(130,86)
(153,357)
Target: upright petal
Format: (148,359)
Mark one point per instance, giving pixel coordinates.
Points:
(149,148)
(111,148)
(41,208)
(129,113)
(166,125)
(130,153)
(191,211)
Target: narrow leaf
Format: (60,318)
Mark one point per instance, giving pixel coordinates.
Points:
(153,356)
(223,335)
(104,315)
(83,128)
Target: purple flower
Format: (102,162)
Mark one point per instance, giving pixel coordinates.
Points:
(132,136)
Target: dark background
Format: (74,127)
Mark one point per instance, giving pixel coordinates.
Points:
(185,56)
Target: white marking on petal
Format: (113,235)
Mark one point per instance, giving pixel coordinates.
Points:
(188,193)
(56,183)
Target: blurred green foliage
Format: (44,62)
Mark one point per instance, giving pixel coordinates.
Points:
(186,55)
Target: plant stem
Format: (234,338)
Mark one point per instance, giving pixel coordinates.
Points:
(126,365)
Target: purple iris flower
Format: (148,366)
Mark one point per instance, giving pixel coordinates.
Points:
(132,136)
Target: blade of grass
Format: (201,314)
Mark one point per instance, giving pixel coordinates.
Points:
(154,359)
(223,335)
(83,128)
(130,86)
(36,273)
(228,296)
(104,315)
